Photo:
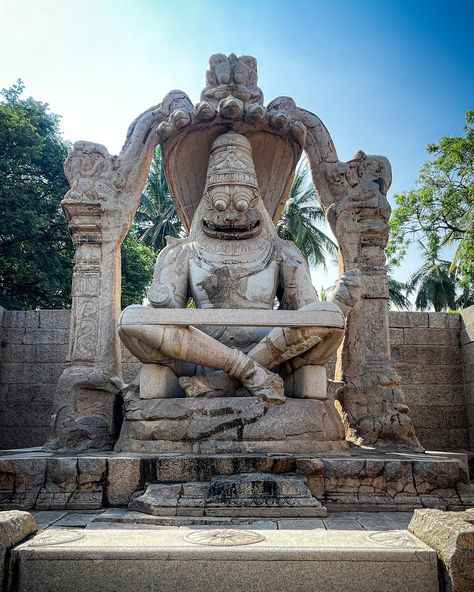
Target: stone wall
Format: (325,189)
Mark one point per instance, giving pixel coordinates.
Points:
(428,351)
(467,348)
(34,347)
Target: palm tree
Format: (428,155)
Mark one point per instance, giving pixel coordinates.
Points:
(156,216)
(435,285)
(466,298)
(397,293)
(300,217)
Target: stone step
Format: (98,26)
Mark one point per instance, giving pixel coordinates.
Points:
(223,560)
(260,495)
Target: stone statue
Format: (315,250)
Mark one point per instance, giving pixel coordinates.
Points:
(211,382)
(234,259)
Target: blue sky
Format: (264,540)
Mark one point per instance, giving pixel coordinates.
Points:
(387,77)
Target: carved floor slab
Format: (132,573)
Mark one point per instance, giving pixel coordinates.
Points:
(223,559)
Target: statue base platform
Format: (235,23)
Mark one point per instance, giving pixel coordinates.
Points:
(210,485)
(230,425)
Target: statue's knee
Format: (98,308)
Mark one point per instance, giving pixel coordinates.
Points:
(127,331)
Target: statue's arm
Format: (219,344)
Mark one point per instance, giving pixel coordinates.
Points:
(169,288)
(295,278)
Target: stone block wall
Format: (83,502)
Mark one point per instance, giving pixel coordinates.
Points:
(426,352)
(467,349)
(34,345)
(433,353)
(33,351)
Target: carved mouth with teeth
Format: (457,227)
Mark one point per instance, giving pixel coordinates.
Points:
(232,230)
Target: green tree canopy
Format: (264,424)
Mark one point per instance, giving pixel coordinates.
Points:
(138,262)
(35,247)
(36,251)
(156,217)
(434,284)
(439,211)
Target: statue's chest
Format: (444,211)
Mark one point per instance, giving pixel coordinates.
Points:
(233,286)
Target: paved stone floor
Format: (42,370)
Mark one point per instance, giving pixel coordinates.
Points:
(121,518)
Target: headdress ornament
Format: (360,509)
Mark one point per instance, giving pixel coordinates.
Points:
(230,162)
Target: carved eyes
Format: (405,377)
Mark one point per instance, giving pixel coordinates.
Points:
(220,201)
(242,200)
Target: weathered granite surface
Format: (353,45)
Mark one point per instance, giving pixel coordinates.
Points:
(230,424)
(271,561)
(427,354)
(342,481)
(235,266)
(219,134)
(467,348)
(425,347)
(244,494)
(14,527)
(451,534)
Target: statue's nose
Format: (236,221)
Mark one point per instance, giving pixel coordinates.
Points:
(231,216)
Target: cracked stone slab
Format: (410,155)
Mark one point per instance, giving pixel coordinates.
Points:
(451,534)
(158,499)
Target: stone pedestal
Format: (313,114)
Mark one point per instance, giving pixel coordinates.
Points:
(259,560)
(230,424)
(242,495)
(307,382)
(348,480)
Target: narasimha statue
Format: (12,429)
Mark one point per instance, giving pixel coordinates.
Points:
(234,259)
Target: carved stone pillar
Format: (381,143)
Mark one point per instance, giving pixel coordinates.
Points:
(104,195)
(85,394)
(370,401)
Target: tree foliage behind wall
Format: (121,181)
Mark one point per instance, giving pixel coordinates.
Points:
(438,213)
(35,247)
(36,252)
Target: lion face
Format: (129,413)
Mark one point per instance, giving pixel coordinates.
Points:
(231,212)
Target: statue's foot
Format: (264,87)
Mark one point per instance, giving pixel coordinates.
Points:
(265,384)
(195,386)
(217,384)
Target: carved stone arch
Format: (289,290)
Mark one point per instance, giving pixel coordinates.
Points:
(104,195)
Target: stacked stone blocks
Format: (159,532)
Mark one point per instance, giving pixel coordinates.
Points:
(426,352)
(467,349)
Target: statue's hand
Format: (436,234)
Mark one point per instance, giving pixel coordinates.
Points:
(159,295)
(347,292)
